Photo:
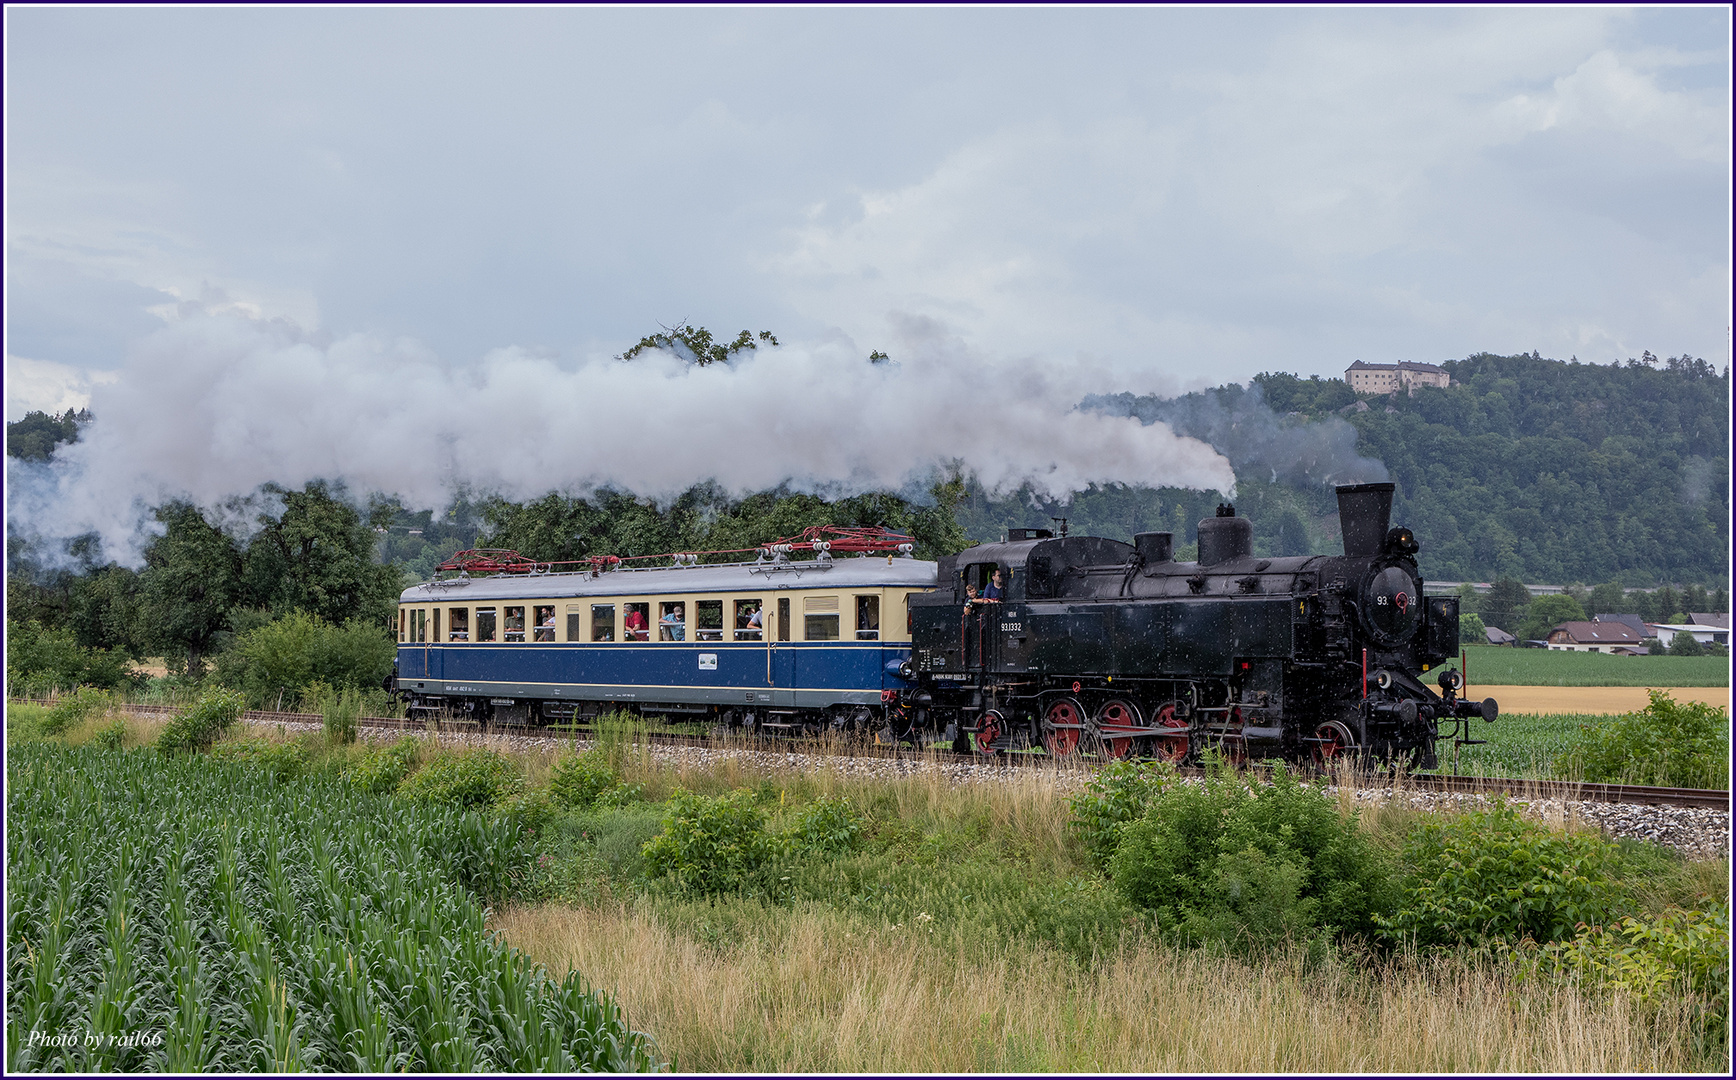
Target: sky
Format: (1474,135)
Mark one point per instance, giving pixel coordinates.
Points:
(1143,199)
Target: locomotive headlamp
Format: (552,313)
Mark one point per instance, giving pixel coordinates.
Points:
(1450,680)
(1384,680)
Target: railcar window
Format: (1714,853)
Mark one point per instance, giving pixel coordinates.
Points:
(602,622)
(708,620)
(512,624)
(749,620)
(867,618)
(575,625)
(419,625)
(636,623)
(436,635)
(459,624)
(545,622)
(484,624)
(783,618)
(819,618)
(403,615)
(672,621)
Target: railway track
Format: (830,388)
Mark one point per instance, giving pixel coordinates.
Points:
(1571,791)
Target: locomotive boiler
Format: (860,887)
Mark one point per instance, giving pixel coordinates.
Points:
(1097,645)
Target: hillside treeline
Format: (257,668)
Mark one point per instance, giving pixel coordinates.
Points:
(1529,468)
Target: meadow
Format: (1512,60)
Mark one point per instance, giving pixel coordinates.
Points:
(1501,666)
(288,894)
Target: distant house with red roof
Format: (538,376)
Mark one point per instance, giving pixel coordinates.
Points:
(1595,637)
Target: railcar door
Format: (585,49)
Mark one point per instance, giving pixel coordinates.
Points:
(781,656)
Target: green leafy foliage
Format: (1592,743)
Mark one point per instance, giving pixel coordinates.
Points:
(1667,744)
(696,345)
(1651,957)
(35,437)
(279,760)
(579,780)
(1119,794)
(75,708)
(380,767)
(196,728)
(41,658)
(1471,629)
(1526,468)
(1491,875)
(303,926)
(111,736)
(827,826)
(473,779)
(1683,643)
(1248,864)
(302,651)
(1546,612)
(715,845)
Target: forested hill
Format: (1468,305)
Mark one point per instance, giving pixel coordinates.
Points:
(1526,467)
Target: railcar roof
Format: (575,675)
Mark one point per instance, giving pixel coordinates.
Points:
(841,573)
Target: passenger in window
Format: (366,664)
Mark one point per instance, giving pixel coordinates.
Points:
(754,626)
(673,622)
(545,623)
(635,623)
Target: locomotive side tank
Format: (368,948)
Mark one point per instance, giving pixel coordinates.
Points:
(1120,649)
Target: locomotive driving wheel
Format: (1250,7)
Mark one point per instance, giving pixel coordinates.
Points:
(1115,724)
(1332,740)
(1063,724)
(1172,748)
(991,727)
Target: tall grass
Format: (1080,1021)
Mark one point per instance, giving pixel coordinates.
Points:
(814,990)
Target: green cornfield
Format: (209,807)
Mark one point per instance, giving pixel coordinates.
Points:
(185,915)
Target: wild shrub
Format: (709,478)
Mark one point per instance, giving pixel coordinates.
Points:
(197,727)
(713,845)
(1244,863)
(1119,794)
(1667,744)
(111,736)
(380,767)
(472,779)
(827,826)
(39,659)
(1652,957)
(1491,875)
(74,708)
(340,709)
(282,760)
(299,649)
(579,780)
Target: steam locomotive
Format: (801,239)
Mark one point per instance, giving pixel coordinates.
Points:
(1081,644)
(1096,645)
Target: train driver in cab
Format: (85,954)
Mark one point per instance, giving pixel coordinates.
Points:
(997,585)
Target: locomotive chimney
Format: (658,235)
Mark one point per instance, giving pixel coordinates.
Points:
(1225,537)
(1154,547)
(1364,513)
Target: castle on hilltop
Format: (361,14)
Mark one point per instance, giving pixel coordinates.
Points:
(1391,378)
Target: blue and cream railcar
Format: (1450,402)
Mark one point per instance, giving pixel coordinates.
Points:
(781,645)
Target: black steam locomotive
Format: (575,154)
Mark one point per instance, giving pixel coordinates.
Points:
(1091,644)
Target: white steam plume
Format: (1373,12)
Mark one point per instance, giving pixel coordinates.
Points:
(211,408)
